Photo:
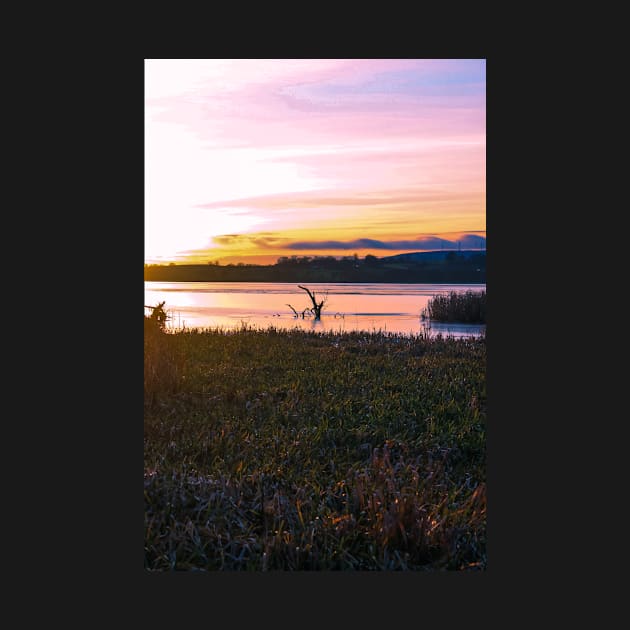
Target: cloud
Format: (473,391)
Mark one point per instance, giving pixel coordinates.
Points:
(227,239)
(468,241)
(395,86)
(329,198)
(289,102)
(472,241)
(260,239)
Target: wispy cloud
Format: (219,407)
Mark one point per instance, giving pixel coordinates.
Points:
(260,239)
(329,198)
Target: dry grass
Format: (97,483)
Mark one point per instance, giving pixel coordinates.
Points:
(288,450)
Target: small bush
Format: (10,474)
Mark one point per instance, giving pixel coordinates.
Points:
(157,320)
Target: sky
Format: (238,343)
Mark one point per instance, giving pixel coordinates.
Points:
(248,160)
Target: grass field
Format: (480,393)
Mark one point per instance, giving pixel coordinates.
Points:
(290,450)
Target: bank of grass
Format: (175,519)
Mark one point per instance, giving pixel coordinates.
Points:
(289,450)
(468,307)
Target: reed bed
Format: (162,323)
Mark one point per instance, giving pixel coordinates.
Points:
(467,307)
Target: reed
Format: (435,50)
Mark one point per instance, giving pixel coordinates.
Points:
(465,307)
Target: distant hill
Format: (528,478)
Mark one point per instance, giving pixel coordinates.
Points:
(432,256)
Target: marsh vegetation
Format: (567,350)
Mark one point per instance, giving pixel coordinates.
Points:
(467,307)
(294,450)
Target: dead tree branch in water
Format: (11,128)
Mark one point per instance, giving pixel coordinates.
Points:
(317,307)
(303,314)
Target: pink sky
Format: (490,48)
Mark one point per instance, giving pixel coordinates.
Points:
(246,158)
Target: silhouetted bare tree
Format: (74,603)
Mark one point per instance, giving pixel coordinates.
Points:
(317,306)
(316,309)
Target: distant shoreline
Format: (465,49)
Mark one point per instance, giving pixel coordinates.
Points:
(466,267)
(275,281)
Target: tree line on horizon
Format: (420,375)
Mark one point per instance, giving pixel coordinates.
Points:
(453,266)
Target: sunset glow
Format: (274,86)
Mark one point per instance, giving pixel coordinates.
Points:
(247,160)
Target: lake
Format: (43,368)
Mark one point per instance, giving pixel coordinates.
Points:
(368,307)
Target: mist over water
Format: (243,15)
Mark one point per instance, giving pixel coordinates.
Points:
(368,307)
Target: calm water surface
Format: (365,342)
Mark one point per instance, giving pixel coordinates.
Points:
(368,307)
